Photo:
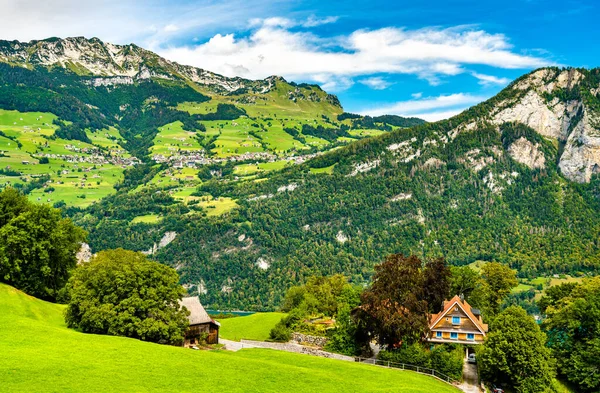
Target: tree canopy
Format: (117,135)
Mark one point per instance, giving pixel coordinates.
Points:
(122,293)
(515,353)
(498,280)
(37,246)
(395,309)
(573,327)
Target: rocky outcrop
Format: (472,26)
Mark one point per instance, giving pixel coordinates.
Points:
(84,254)
(167,238)
(527,153)
(551,120)
(555,104)
(581,157)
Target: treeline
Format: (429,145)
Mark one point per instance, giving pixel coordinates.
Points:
(380,122)
(223,112)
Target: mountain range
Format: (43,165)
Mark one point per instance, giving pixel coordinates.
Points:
(249,187)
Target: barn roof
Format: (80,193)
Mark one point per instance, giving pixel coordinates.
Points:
(197,313)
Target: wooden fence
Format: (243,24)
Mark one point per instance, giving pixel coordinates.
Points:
(404,366)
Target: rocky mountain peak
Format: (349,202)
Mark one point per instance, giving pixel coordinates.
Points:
(109,64)
(559,104)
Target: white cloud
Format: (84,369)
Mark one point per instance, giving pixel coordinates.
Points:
(123,21)
(487,80)
(429,108)
(417,95)
(171,28)
(273,48)
(376,83)
(313,21)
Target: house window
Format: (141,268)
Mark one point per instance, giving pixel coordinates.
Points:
(438,334)
(454,336)
(470,336)
(456,320)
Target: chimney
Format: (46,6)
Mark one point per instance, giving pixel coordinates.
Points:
(462,297)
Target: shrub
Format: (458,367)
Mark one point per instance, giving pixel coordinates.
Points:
(280,333)
(446,359)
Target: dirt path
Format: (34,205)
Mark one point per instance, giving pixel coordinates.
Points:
(235,345)
(470,382)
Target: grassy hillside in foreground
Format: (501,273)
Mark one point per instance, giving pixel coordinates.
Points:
(39,354)
(252,327)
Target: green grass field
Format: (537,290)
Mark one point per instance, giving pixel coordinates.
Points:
(28,135)
(172,139)
(39,354)
(252,169)
(147,219)
(267,115)
(328,169)
(252,327)
(218,206)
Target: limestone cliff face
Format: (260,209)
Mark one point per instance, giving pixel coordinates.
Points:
(527,153)
(559,105)
(581,157)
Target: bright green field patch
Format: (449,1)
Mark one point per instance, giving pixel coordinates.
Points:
(365,133)
(198,108)
(327,169)
(521,288)
(252,327)
(172,139)
(39,354)
(251,169)
(147,219)
(233,137)
(217,207)
(315,141)
(280,141)
(108,139)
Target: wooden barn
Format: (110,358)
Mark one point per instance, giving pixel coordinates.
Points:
(201,324)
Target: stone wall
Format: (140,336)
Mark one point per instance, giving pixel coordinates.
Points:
(317,341)
(297,348)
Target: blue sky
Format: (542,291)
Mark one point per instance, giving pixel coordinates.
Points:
(429,59)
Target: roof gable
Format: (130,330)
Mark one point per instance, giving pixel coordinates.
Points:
(197,313)
(465,308)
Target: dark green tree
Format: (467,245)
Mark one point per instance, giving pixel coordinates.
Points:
(573,327)
(463,281)
(498,280)
(515,353)
(37,246)
(436,287)
(555,294)
(122,293)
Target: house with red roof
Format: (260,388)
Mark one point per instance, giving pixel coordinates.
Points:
(457,323)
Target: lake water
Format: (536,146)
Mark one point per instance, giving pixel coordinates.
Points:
(236,313)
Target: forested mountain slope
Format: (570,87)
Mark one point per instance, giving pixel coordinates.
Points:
(513,179)
(81,119)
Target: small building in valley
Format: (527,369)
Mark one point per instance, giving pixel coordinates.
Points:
(457,323)
(202,326)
